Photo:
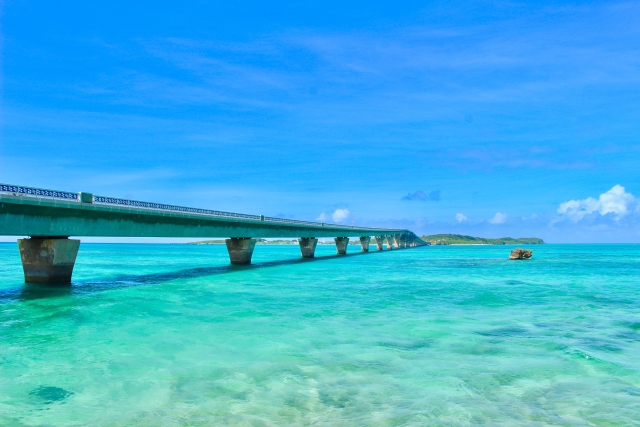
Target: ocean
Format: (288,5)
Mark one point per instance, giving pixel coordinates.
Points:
(171,335)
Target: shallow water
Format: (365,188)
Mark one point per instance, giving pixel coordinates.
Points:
(159,335)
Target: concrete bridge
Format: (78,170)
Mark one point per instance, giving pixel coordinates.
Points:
(50,217)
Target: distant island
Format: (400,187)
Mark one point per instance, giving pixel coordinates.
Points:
(459,239)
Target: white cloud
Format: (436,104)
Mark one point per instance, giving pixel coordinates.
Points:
(322,217)
(499,218)
(340,215)
(615,201)
(461,217)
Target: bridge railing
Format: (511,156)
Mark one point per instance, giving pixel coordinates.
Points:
(290,221)
(102,200)
(164,207)
(37,192)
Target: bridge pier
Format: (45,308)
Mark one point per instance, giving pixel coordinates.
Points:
(341,245)
(403,241)
(364,242)
(396,238)
(240,250)
(379,242)
(390,242)
(308,246)
(48,259)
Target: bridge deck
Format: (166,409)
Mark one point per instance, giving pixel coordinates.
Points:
(49,217)
(34,215)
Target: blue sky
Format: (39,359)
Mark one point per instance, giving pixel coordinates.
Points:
(483,118)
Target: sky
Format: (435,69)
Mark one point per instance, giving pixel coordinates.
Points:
(491,119)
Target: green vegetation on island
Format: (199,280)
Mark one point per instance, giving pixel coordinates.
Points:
(459,239)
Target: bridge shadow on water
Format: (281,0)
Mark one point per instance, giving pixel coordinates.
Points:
(31,291)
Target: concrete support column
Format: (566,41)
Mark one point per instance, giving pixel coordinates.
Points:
(389,242)
(308,246)
(396,237)
(364,242)
(48,259)
(341,245)
(240,250)
(379,242)
(403,241)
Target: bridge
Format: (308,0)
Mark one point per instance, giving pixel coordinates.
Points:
(50,217)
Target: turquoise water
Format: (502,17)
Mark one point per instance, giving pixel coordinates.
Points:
(168,335)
